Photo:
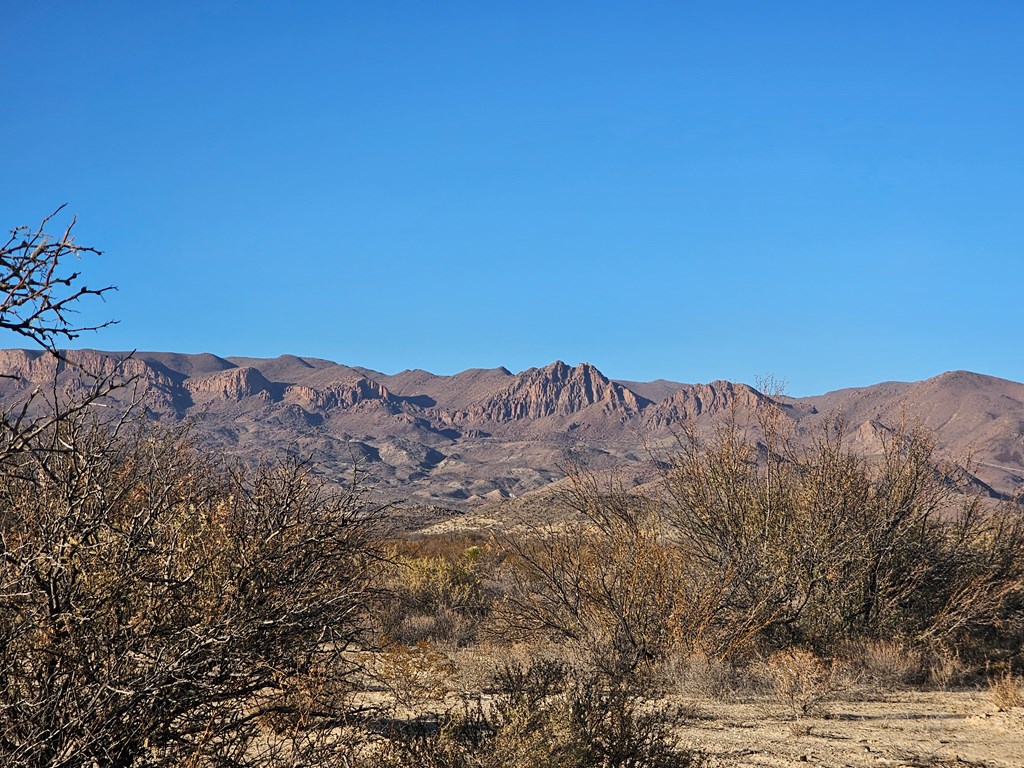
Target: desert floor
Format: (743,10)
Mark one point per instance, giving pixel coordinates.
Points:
(899,729)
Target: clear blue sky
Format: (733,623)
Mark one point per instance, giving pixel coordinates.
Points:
(832,193)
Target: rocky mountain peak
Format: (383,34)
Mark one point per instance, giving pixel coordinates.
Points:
(558,389)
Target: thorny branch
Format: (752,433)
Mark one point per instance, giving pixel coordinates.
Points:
(38,294)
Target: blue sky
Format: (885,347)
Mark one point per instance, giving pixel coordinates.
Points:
(831,193)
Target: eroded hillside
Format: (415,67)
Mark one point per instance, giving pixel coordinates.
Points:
(487,434)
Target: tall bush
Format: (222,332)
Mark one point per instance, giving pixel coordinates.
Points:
(159,608)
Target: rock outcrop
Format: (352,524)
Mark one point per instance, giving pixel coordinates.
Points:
(39,367)
(558,389)
(337,395)
(694,400)
(231,385)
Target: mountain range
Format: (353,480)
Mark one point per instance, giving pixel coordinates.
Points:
(488,434)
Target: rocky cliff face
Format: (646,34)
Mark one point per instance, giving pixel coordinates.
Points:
(38,367)
(338,395)
(231,386)
(28,366)
(558,389)
(24,372)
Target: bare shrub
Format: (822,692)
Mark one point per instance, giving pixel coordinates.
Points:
(531,685)
(603,582)
(419,678)
(821,545)
(728,523)
(803,682)
(156,605)
(541,718)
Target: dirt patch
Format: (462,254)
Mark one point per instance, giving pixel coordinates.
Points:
(930,730)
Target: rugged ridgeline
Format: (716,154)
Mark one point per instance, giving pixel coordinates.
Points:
(486,434)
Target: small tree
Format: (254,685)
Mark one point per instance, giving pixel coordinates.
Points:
(602,581)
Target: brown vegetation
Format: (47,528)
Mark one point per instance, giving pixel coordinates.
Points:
(761,568)
(756,547)
(156,605)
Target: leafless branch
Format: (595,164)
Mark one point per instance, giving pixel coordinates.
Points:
(39,294)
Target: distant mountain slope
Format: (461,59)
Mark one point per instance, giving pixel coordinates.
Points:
(288,368)
(486,434)
(971,415)
(655,391)
(456,392)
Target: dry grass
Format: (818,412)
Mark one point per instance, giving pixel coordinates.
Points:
(883,665)
(702,678)
(1007,691)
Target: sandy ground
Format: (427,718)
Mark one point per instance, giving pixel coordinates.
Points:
(856,727)
(908,729)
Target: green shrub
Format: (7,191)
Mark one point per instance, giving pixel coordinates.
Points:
(439,598)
